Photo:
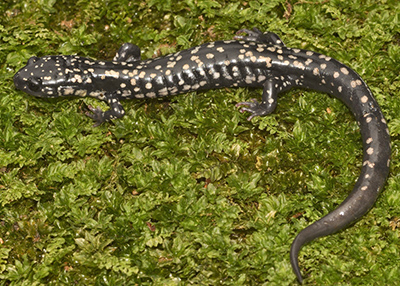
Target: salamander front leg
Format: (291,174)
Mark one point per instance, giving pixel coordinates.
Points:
(267,105)
(127,53)
(99,116)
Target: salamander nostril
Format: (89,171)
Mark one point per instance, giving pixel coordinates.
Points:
(17,80)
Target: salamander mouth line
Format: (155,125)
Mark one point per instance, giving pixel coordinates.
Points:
(255,59)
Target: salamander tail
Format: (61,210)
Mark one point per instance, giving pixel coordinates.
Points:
(294,252)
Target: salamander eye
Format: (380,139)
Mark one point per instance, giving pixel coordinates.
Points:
(34,83)
(32,60)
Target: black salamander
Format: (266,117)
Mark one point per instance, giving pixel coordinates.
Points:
(254,60)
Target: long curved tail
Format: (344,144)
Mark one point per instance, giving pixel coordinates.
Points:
(365,192)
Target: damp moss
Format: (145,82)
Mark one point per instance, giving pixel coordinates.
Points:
(184,190)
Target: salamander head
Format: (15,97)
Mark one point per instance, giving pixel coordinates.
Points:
(51,76)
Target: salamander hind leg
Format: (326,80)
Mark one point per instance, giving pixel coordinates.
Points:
(127,53)
(267,104)
(257,36)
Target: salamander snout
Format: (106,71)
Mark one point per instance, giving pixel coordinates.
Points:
(18,82)
(30,84)
(41,76)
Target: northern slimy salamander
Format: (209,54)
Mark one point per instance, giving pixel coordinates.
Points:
(255,60)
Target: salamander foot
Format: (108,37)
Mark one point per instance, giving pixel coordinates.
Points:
(255,108)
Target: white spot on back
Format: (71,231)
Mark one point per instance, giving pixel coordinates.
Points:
(344,70)
(364,99)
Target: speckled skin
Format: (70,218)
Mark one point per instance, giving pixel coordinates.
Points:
(255,60)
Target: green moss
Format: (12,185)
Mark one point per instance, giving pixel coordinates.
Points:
(184,190)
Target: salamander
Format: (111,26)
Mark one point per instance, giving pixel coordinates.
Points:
(251,59)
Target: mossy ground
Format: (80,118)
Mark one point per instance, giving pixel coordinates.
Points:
(183,190)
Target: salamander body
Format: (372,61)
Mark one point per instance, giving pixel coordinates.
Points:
(255,60)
